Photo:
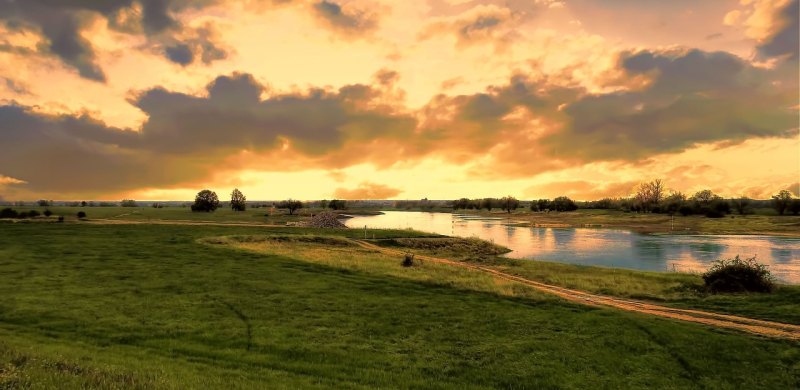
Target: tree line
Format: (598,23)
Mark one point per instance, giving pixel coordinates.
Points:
(207,201)
(653,197)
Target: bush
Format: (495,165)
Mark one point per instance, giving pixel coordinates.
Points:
(8,213)
(81,215)
(60,218)
(33,214)
(737,275)
(408,260)
(48,213)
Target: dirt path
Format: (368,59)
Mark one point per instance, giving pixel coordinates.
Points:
(759,327)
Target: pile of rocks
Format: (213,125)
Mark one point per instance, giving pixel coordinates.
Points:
(325,220)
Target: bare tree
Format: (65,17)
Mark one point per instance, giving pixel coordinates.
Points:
(650,194)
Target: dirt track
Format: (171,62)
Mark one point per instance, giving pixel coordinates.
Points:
(759,327)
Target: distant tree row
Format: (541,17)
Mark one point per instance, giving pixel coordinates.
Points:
(207,201)
(652,197)
(422,204)
(562,203)
(508,204)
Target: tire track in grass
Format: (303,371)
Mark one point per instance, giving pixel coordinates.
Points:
(726,321)
(242,317)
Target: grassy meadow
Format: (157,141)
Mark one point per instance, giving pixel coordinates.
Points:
(186,306)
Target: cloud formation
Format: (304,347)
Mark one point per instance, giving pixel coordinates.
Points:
(62,25)
(367,190)
(783,40)
(524,128)
(483,23)
(348,21)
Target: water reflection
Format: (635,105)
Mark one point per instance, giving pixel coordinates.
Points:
(603,247)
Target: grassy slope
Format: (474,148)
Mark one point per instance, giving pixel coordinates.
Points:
(670,288)
(149,306)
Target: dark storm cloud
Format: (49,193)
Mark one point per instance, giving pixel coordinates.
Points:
(784,41)
(62,22)
(695,97)
(200,45)
(344,21)
(180,54)
(518,129)
(185,137)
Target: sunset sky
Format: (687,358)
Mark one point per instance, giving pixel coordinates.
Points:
(379,99)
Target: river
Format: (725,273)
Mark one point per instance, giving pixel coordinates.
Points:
(600,246)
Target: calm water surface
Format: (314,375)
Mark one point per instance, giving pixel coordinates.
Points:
(603,247)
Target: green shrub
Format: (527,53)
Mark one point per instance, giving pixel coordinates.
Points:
(81,215)
(48,213)
(738,275)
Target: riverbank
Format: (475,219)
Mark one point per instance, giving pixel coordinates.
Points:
(181,306)
(785,225)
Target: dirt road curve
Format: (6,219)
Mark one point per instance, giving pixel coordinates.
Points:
(759,327)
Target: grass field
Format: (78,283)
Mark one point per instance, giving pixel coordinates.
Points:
(163,306)
(670,288)
(764,221)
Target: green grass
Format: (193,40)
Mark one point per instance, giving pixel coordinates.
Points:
(669,288)
(143,214)
(163,306)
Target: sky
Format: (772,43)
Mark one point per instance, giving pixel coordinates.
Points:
(380,99)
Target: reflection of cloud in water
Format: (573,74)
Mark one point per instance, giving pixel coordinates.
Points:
(604,247)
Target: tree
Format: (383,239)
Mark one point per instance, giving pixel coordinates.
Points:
(291,205)
(81,214)
(704,197)
(487,203)
(238,200)
(782,201)
(649,195)
(543,204)
(461,204)
(509,204)
(128,203)
(47,213)
(741,204)
(794,206)
(44,203)
(83,203)
(206,200)
(337,204)
(672,203)
(563,203)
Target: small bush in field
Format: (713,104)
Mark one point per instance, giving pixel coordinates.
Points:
(8,213)
(738,275)
(81,215)
(60,218)
(48,213)
(408,260)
